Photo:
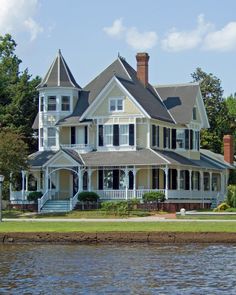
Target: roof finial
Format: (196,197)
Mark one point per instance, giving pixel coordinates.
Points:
(59,51)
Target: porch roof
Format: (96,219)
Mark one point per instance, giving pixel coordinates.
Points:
(124,158)
(39,158)
(203,162)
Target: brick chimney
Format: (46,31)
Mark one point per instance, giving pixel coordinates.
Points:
(142,67)
(229,149)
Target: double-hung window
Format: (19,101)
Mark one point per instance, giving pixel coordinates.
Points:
(65,103)
(52,103)
(124,135)
(108,179)
(41,137)
(180,138)
(41,104)
(116,105)
(108,134)
(51,136)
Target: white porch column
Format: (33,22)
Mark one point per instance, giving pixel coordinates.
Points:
(80,180)
(134,187)
(46,179)
(89,179)
(23,184)
(190,180)
(126,182)
(210,181)
(202,187)
(27,182)
(166,170)
(10,185)
(178,179)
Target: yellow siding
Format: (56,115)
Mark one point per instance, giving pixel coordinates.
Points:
(142,130)
(129,106)
(142,178)
(92,135)
(64,135)
(161,137)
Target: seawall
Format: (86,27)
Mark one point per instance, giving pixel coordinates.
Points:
(116,237)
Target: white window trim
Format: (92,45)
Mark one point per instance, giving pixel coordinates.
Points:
(116,98)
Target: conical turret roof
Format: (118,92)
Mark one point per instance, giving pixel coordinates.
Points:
(59,74)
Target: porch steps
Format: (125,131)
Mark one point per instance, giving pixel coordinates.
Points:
(56,206)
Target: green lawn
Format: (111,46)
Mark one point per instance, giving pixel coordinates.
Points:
(117,226)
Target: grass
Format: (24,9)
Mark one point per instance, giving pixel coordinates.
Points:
(76,214)
(207,217)
(117,226)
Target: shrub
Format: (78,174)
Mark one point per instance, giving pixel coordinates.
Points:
(133,203)
(120,208)
(231,196)
(34,196)
(88,197)
(222,207)
(153,197)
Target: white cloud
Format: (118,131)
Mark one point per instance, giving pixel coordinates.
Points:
(116,29)
(141,41)
(17,16)
(135,39)
(184,40)
(222,40)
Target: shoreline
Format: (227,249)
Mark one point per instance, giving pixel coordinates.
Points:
(115,237)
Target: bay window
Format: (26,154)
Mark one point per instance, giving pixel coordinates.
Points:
(52,103)
(51,136)
(65,103)
(41,104)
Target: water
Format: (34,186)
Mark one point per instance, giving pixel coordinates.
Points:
(118,269)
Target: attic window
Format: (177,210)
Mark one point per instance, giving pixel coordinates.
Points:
(194,113)
(116,104)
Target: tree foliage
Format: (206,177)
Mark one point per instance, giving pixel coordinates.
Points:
(18,95)
(216,109)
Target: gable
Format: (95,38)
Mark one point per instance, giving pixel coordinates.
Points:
(129,107)
(61,159)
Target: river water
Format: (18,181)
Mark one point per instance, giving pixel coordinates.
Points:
(118,269)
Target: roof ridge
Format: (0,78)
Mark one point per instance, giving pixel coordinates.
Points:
(177,84)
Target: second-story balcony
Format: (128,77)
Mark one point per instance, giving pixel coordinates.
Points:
(80,148)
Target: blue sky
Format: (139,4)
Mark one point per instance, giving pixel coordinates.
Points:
(178,35)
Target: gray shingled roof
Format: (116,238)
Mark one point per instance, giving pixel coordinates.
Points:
(139,157)
(217,158)
(204,162)
(39,158)
(179,100)
(59,74)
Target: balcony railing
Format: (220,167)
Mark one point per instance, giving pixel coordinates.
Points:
(80,148)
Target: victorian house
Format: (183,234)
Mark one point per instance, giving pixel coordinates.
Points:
(120,137)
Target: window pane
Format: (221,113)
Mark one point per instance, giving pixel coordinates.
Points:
(112,105)
(122,179)
(124,134)
(65,103)
(108,179)
(51,131)
(41,136)
(120,104)
(52,103)
(51,141)
(108,134)
(42,104)
(180,139)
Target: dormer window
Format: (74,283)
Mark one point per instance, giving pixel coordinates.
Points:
(65,103)
(194,113)
(116,104)
(52,103)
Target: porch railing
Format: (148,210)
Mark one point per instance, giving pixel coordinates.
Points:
(74,200)
(81,148)
(43,200)
(123,194)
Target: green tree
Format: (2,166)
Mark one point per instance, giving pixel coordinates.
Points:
(13,156)
(216,109)
(18,95)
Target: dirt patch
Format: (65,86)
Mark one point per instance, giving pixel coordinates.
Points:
(116,237)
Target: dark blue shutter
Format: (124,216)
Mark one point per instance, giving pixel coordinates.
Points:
(116,179)
(72,135)
(191,139)
(164,137)
(186,179)
(131,134)
(158,139)
(173,138)
(186,139)
(116,135)
(168,137)
(85,134)
(173,179)
(131,180)
(100,135)
(154,139)
(155,178)
(100,179)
